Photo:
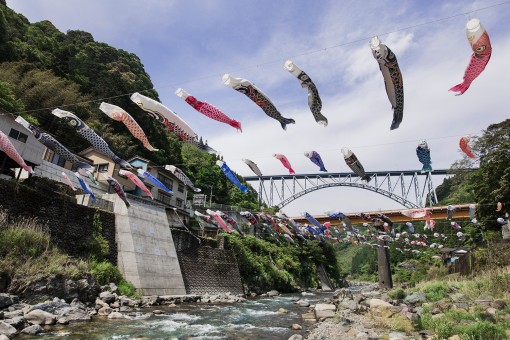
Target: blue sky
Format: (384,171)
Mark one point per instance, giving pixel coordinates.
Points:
(190,44)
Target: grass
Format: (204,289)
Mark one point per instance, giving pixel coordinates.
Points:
(27,253)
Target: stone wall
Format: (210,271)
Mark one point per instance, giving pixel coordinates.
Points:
(69,224)
(206,269)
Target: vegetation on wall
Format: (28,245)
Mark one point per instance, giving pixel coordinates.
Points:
(265,265)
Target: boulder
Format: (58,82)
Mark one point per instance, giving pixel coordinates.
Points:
(151,300)
(380,308)
(303,303)
(33,330)
(13,314)
(296,327)
(498,304)
(107,297)
(17,322)
(272,293)
(325,306)
(397,336)
(415,298)
(115,315)
(103,311)
(324,314)
(296,337)
(40,317)
(5,300)
(348,304)
(4,337)
(282,311)
(7,329)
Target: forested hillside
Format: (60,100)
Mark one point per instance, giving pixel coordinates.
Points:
(42,68)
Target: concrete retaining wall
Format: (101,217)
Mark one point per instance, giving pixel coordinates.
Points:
(146,251)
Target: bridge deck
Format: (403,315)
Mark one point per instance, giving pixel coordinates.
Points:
(347,174)
(436,213)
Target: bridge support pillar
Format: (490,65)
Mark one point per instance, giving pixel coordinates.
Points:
(383,262)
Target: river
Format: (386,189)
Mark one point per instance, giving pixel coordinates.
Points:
(254,319)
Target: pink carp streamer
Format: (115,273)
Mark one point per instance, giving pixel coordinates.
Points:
(481,45)
(10,151)
(220,221)
(68,181)
(137,181)
(117,113)
(464,146)
(208,110)
(285,162)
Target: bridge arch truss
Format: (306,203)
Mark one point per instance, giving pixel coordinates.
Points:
(412,189)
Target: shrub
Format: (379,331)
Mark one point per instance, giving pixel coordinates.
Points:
(483,330)
(435,291)
(126,288)
(397,293)
(105,272)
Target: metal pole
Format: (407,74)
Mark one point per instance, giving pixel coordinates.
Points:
(383,262)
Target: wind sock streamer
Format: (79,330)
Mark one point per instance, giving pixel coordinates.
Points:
(285,162)
(85,187)
(258,97)
(137,181)
(230,221)
(392,79)
(423,153)
(117,187)
(482,50)
(68,181)
(250,217)
(182,177)
(206,218)
(410,226)
(208,110)
(51,143)
(118,114)
(165,116)
(153,179)
(352,161)
(313,221)
(10,151)
(414,213)
(316,159)
(220,221)
(314,100)
(93,138)
(231,176)
(464,146)
(253,166)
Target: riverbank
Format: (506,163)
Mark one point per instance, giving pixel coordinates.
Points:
(221,316)
(454,308)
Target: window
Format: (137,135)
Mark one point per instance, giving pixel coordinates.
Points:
(102,167)
(163,197)
(178,202)
(180,188)
(15,134)
(166,181)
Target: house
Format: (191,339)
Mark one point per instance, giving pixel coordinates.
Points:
(25,143)
(175,201)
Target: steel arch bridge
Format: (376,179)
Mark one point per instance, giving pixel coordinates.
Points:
(410,188)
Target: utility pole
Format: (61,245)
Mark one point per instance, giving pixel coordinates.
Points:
(383,264)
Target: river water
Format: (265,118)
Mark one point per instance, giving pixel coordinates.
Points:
(254,319)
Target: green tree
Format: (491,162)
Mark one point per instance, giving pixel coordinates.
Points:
(8,101)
